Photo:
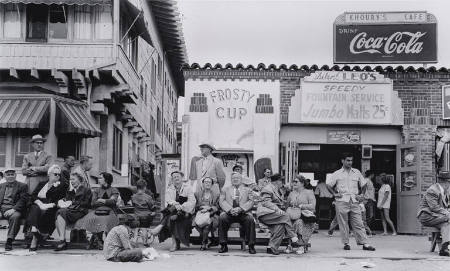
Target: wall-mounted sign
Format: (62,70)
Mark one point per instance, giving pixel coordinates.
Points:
(446,102)
(344,137)
(385,37)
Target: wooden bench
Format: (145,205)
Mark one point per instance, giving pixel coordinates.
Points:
(435,237)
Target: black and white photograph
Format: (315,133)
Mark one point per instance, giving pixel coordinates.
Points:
(252,135)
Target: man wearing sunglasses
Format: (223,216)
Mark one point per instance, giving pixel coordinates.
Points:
(13,201)
(36,163)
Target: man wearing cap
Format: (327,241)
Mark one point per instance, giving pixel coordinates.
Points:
(83,170)
(13,202)
(36,163)
(207,166)
(349,187)
(433,209)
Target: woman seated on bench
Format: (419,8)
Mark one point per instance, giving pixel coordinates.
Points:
(207,218)
(103,218)
(42,213)
(302,203)
(75,205)
(177,216)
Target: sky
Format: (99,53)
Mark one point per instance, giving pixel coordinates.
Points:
(284,32)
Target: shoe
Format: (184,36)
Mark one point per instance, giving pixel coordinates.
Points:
(203,247)
(296,244)
(394,234)
(8,244)
(92,243)
(444,252)
(272,251)
(223,249)
(61,246)
(330,233)
(347,247)
(213,242)
(251,249)
(31,249)
(368,247)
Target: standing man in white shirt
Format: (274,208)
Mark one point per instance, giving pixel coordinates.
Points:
(347,183)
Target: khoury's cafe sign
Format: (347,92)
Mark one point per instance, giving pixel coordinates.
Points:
(339,97)
(385,37)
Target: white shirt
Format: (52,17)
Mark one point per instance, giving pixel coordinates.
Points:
(347,183)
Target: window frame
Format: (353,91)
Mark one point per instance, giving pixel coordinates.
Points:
(117,148)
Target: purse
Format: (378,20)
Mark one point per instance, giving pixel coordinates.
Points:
(294,213)
(202,219)
(308,216)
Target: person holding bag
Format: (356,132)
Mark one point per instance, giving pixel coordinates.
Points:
(302,204)
(206,220)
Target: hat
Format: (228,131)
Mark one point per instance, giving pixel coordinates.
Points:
(9,169)
(276,177)
(176,171)
(37,138)
(207,145)
(444,175)
(237,166)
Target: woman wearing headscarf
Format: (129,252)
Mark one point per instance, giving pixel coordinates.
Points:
(103,218)
(45,197)
(206,219)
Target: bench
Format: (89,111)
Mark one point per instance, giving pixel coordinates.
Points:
(435,237)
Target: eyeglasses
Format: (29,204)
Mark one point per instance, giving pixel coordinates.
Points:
(56,174)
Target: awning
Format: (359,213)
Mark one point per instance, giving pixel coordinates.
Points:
(60,2)
(24,114)
(73,118)
(137,14)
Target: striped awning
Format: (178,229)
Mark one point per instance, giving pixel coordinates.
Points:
(73,118)
(24,114)
(60,2)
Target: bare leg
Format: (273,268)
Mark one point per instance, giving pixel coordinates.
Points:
(383,222)
(174,244)
(389,221)
(156,230)
(61,228)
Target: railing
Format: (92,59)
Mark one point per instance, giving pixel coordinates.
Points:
(24,55)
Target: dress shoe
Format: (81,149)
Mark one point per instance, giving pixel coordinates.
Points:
(368,247)
(92,243)
(251,249)
(213,242)
(8,244)
(61,246)
(347,247)
(31,249)
(223,249)
(203,247)
(272,251)
(444,252)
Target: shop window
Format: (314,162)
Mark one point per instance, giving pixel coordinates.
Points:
(22,146)
(11,21)
(117,148)
(2,149)
(37,16)
(69,145)
(83,25)
(103,22)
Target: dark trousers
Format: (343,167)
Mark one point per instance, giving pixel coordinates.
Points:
(245,220)
(129,255)
(370,212)
(14,224)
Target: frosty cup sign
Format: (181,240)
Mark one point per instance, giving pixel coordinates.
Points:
(385,38)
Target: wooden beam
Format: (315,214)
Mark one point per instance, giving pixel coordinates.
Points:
(126,116)
(80,83)
(35,73)
(140,135)
(62,80)
(13,73)
(136,129)
(99,108)
(131,124)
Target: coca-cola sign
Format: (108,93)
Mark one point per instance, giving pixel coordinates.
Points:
(385,43)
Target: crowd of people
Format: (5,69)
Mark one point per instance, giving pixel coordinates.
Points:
(58,197)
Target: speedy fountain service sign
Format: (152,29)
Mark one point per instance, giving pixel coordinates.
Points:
(385,37)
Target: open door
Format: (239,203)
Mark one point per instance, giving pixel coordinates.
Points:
(408,188)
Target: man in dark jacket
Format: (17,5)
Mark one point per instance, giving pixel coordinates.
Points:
(13,202)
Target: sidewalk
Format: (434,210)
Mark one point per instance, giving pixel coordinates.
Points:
(400,247)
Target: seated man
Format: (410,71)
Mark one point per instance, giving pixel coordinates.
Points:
(118,248)
(13,202)
(433,210)
(236,205)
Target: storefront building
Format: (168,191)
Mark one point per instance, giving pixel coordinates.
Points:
(304,117)
(95,77)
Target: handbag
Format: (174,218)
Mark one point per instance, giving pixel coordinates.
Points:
(102,211)
(308,216)
(294,213)
(202,219)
